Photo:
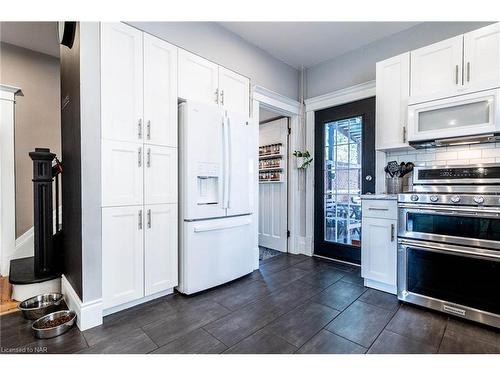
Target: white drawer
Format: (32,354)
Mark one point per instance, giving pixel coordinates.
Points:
(380,208)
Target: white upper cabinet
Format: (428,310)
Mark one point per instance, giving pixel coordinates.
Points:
(122,170)
(121,82)
(160,251)
(160,92)
(436,70)
(198,78)
(234,91)
(392,92)
(160,175)
(482,58)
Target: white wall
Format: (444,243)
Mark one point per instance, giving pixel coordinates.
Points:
(358,66)
(213,42)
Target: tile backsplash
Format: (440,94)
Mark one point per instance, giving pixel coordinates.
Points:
(449,155)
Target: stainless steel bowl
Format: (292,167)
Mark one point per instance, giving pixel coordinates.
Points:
(47,333)
(35,307)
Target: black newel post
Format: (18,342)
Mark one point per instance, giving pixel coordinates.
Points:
(45,257)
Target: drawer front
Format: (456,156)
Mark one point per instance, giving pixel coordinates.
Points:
(384,209)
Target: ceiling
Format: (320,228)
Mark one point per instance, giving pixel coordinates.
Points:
(36,36)
(309,43)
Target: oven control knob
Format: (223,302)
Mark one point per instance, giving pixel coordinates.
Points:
(434,198)
(455,199)
(414,197)
(478,199)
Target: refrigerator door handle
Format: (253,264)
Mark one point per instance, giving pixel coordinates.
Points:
(229,162)
(225,182)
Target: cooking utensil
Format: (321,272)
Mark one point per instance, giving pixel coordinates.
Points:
(393,167)
(47,333)
(35,307)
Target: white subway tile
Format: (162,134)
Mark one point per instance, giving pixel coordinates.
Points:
(435,162)
(490,153)
(482,160)
(426,157)
(457,162)
(469,154)
(450,155)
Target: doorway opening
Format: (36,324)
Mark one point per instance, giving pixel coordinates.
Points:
(345,169)
(273,183)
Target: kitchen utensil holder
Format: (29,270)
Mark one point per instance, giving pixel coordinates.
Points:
(394,185)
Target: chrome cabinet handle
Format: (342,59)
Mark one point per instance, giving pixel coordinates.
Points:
(148,162)
(139,157)
(377,209)
(217,96)
(404,134)
(468,71)
(139,128)
(222,97)
(149,218)
(148,127)
(392,232)
(456,74)
(139,224)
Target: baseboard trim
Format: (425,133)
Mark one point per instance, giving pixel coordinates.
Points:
(392,289)
(128,305)
(89,313)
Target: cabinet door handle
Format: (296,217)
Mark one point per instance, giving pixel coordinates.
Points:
(139,223)
(404,134)
(149,218)
(468,71)
(139,157)
(217,96)
(148,162)
(456,74)
(148,128)
(378,209)
(139,128)
(393,229)
(222,97)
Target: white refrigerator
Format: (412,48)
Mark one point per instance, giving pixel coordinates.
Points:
(218,183)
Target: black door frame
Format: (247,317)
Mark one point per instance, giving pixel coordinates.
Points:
(366,109)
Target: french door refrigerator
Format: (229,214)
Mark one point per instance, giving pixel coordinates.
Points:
(217,188)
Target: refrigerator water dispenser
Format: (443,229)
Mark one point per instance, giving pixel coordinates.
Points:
(208,188)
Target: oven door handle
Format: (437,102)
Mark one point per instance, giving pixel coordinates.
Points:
(441,248)
(469,212)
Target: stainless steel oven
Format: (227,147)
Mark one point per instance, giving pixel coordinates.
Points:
(449,241)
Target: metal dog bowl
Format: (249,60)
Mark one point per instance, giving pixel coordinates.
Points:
(35,307)
(47,333)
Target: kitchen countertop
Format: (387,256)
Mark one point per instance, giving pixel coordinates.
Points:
(380,196)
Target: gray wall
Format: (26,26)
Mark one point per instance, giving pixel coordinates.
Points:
(37,117)
(358,66)
(215,43)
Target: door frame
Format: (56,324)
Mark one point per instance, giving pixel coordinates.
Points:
(282,105)
(335,98)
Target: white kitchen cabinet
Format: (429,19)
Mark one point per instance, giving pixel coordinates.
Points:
(234,91)
(160,175)
(121,82)
(122,255)
(160,251)
(160,92)
(198,78)
(482,58)
(436,70)
(122,173)
(392,92)
(379,244)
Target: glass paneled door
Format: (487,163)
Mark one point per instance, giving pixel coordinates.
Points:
(344,169)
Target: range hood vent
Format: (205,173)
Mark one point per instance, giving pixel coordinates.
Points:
(457,141)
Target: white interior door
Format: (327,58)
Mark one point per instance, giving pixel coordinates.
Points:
(160,175)
(234,91)
(160,92)
(121,82)
(436,70)
(242,135)
(122,173)
(122,255)
(198,78)
(482,58)
(160,252)
(273,208)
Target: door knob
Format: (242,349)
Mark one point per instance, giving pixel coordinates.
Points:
(368,178)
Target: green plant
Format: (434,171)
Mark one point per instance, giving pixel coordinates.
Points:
(306,158)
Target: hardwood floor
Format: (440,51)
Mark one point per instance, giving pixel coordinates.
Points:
(292,304)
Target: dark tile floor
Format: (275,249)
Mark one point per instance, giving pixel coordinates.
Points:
(293,304)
